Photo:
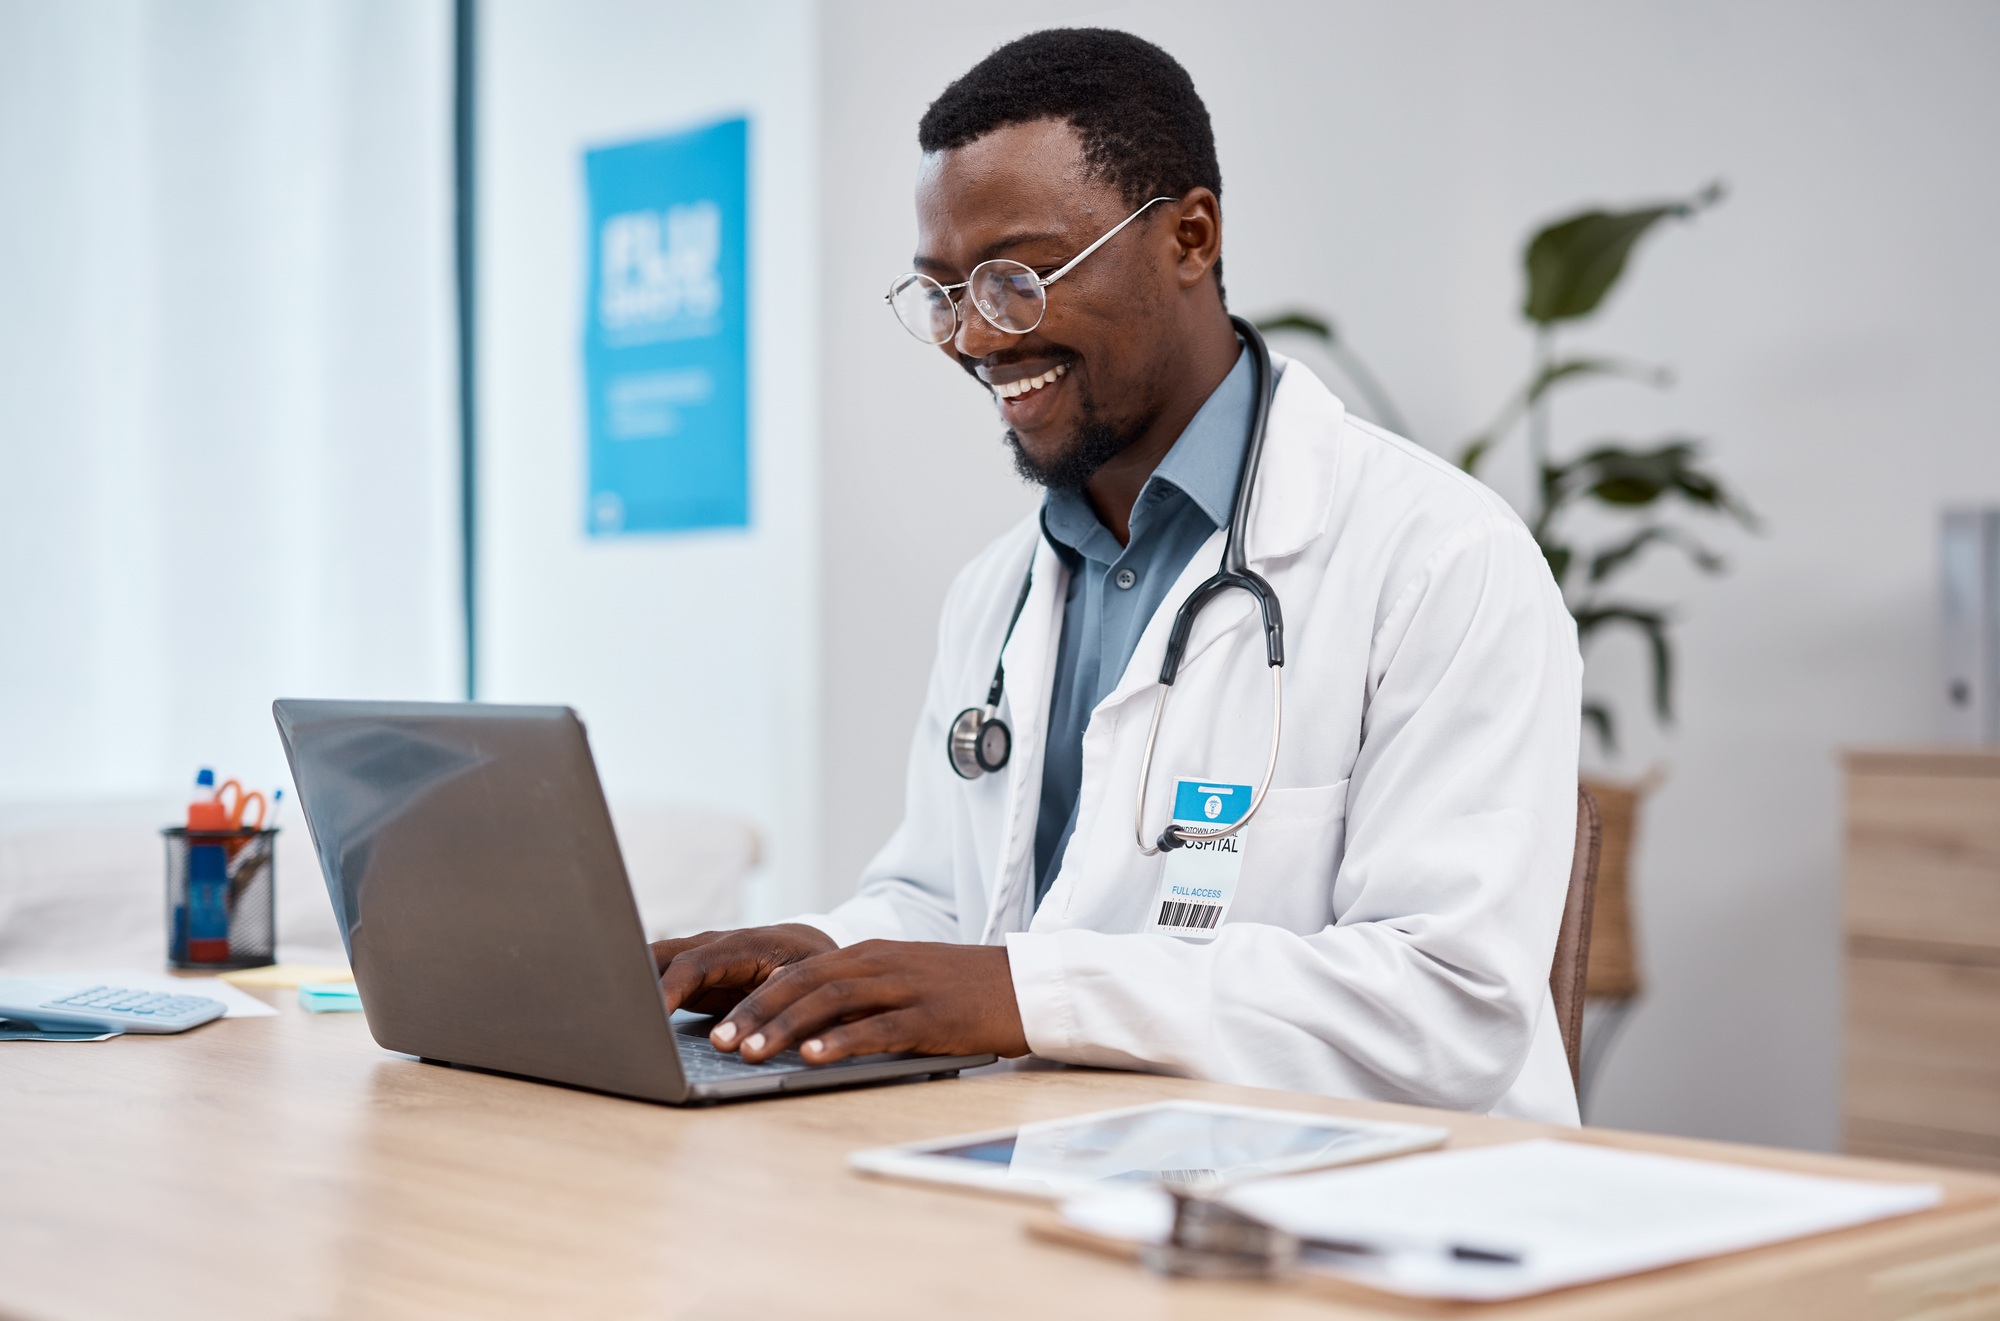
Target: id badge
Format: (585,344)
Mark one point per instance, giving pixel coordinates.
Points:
(1199,881)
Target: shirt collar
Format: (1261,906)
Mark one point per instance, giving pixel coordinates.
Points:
(1202,465)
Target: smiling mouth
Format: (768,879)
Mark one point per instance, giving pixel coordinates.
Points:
(1015,389)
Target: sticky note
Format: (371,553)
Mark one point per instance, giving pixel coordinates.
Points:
(329,997)
(284,976)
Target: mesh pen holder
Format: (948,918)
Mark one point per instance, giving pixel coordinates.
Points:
(222,909)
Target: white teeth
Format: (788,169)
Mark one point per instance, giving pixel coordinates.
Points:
(1015,389)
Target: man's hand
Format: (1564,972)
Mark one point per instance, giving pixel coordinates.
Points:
(711,972)
(880,995)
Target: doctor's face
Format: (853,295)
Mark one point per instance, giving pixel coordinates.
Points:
(1107,348)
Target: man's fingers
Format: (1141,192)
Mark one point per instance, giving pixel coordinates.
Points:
(711,972)
(874,1035)
(715,1001)
(824,1005)
(720,964)
(779,991)
(666,951)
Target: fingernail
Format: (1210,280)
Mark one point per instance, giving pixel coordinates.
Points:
(755,1041)
(813,1047)
(724,1033)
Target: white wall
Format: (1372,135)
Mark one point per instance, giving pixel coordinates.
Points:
(690,656)
(1831,325)
(227,445)
(225,341)
(914,477)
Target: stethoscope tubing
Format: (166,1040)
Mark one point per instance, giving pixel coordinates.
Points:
(1235,574)
(966,732)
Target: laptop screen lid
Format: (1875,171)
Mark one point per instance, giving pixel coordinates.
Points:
(477,883)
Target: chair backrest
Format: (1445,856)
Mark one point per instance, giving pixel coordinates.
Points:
(1568,975)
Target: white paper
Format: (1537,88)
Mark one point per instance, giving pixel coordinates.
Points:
(1571,1212)
(240,1004)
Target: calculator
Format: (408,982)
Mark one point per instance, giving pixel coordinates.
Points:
(71,1006)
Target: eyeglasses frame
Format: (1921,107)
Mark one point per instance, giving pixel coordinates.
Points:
(948,289)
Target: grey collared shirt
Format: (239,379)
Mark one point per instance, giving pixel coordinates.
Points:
(1114,590)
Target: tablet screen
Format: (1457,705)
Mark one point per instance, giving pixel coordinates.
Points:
(1183,1146)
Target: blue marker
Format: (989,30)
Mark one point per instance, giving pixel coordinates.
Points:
(208,904)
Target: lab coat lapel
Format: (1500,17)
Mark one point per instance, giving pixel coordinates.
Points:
(1293,499)
(1289,508)
(1030,659)
(1143,671)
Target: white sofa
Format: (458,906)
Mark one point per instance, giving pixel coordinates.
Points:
(83,885)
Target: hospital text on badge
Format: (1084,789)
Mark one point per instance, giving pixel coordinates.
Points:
(1199,881)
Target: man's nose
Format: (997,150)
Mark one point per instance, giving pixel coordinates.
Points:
(977,336)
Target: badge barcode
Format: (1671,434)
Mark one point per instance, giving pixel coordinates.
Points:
(1189,917)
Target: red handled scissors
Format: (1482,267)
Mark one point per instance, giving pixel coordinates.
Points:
(237,807)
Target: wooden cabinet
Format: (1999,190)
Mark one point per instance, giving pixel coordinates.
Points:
(1923,956)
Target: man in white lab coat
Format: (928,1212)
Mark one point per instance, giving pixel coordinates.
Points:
(1384,923)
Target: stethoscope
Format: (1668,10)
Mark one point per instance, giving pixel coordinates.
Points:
(980,742)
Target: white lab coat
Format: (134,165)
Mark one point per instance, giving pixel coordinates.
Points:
(1400,891)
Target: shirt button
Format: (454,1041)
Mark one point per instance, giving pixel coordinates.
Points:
(1125,578)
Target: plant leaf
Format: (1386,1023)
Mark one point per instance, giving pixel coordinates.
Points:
(1598,716)
(1573,263)
(1653,624)
(1608,561)
(1305,323)
(1632,478)
(1569,368)
(1559,558)
(1554,374)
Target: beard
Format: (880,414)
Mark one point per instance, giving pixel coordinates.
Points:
(1094,443)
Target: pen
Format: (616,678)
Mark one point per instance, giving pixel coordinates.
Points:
(1213,1238)
(1456,1251)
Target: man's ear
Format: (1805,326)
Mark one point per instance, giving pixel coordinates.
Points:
(1198,232)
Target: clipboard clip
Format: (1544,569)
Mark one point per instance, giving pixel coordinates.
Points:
(1210,1240)
(1215,1242)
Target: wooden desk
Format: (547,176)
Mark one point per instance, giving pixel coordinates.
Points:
(286,1167)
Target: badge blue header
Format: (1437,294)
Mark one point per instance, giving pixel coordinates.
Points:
(1211,802)
(665,344)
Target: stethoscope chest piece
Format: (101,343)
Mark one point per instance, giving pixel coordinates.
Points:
(980,742)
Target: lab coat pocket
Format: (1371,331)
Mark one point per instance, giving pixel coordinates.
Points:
(1291,852)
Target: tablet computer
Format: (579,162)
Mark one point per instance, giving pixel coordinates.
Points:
(1193,1145)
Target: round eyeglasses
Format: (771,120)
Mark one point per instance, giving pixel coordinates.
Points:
(1012,297)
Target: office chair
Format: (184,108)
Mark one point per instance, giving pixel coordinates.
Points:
(1568,975)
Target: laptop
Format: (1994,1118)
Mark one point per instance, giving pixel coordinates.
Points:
(479,889)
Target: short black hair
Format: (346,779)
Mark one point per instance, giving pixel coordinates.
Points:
(1143,128)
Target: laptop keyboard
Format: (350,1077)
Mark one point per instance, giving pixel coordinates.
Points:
(702,1062)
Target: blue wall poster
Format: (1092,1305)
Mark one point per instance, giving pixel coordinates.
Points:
(665,351)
